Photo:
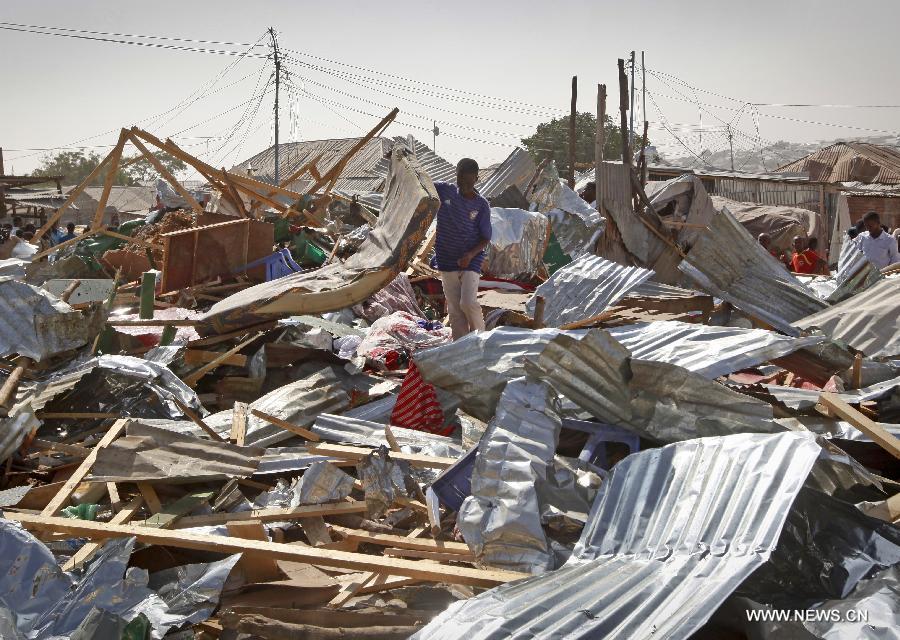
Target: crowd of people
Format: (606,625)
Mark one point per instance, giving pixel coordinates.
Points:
(16,237)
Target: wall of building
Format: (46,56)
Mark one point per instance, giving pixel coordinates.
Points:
(887,208)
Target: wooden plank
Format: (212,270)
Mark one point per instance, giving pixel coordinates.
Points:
(175,322)
(435,556)
(61,499)
(193,417)
(281,551)
(391,440)
(130,240)
(68,449)
(239,424)
(192,379)
(402,542)
(257,567)
(194,357)
(350,589)
(150,497)
(284,424)
(868,426)
(88,550)
(77,416)
(115,501)
(275,514)
(111,170)
(164,173)
(11,385)
(358,453)
(316,530)
(167,516)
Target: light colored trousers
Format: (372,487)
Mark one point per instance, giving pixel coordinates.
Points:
(461,291)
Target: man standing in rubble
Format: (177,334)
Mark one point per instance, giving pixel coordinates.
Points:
(463,232)
(879,247)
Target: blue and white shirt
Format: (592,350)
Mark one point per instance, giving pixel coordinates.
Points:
(461,224)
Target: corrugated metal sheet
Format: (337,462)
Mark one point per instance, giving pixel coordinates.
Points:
(501,519)
(584,288)
(345,429)
(802,399)
(434,165)
(476,367)
(706,350)
(867,321)
(13,430)
(673,533)
(517,169)
(729,263)
(854,272)
(656,400)
(37,324)
(843,162)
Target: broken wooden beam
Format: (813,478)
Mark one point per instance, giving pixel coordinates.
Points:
(356,454)
(284,424)
(281,551)
(274,514)
(879,436)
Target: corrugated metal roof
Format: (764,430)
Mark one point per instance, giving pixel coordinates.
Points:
(435,166)
(706,350)
(35,323)
(867,321)
(584,288)
(517,169)
(656,400)
(850,161)
(727,262)
(674,531)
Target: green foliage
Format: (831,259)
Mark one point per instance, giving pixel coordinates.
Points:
(553,136)
(75,166)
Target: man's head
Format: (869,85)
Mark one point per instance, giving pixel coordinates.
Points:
(764,239)
(466,175)
(70,227)
(812,244)
(589,194)
(798,243)
(873,224)
(30,228)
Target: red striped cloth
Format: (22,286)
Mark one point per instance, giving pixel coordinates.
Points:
(417,405)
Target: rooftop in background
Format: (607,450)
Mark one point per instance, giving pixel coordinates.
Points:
(365,172)
(850,162)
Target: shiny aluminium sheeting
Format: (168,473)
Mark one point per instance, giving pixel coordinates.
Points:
(517,170)
(707,350)
(867,321)
(854,272)
(673,532)
(409,205)
(37,324)
(518,240)
(656,400)
(729,263)
(501,519)
(585,288)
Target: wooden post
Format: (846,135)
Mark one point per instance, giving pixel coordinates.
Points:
(164,173)
(623,110)
(599,146)
(8,392)
(539,302)
(111,171)
(642,162)
(148,292)
(573,114)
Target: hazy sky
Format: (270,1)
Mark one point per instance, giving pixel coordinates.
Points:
(486,71)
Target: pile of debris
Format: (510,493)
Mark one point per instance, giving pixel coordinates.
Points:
(662,432)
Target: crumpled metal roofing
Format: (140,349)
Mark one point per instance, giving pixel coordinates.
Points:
(727,262)
(345,429)
(656,400)
(867,322)
(13,430)
(795,398)
(842,161)
(434,165)
(584,288)
(707,350)
(517,169)
(501,519)
(854,272)
(37,324)
(518,241)
(674,531)
(497,356)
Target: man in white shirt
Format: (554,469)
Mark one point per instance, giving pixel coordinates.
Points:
(880,247)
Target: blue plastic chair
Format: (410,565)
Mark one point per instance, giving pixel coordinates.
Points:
(599,433)
(279,264)
(455,484)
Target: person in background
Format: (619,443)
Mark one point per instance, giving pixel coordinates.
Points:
(16,224)
(803,261)
(70,233)
(879,247)
(765,241)
(820,264)
(463,232)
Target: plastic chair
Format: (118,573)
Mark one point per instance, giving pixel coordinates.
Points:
(599,433)
(455,484)
(279,264)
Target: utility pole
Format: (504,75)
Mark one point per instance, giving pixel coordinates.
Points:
(643,88)
(599,143)
(730,146)
(631,102)
(572,115)
(277,88)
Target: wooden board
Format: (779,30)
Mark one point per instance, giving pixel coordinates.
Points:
(878,435)
(358,453)
(403,542)
(313,555)
(275,514)
(284,424)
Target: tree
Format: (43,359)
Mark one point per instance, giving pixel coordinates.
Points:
(75,166)
(142,170)
(553,136)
